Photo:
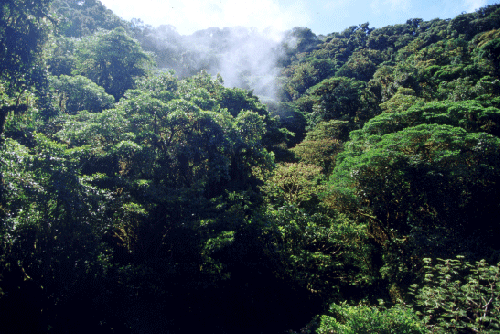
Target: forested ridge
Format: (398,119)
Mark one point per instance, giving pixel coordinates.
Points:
(157,183)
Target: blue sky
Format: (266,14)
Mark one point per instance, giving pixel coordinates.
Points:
(322,17)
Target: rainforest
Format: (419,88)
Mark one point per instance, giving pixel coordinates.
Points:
(230,181)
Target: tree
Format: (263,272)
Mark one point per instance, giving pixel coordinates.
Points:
(346,319)
(488,50)
(362,65)
(59,55)
(338,98)
(469,115)
(427,189)
(112,60)
(301,77)
(78,93)
(322,144)
(23,30)
(315,251)
(50,238)
(297,40)
(459,296)
(295,184)
(83,18)
(401,101)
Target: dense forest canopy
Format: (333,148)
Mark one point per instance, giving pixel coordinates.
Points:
(241,183)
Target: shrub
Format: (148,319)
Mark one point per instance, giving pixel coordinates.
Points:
(369,319)
(460,297)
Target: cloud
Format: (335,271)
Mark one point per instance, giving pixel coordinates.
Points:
(399,5)
(472,5)
(383,6)
(191,15)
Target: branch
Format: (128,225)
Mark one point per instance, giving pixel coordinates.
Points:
(487,307)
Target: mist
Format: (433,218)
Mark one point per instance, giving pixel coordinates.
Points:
(246,58)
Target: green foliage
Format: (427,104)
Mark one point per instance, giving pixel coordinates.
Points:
(112,60)
(362,64)
(428,190)
(54,220)
(333,129)
(295,42)
(73,94)
(345,319)
(425,165)
(322,145)
(289,118)
(22,115)
(472,116)
(161,84)
(302,76)
(98,130)
(22,39)
(296,184)
(173,164)
(401,101)
(124,188)
(237,100)
(83,18)
(338,98)
(320,253)
(459,297)
(59,55)
(322,153)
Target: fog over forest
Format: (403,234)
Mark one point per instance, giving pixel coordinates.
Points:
(246,58)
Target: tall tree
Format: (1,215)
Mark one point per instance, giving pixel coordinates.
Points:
(83,18)
(23,31)
(23,26)
(112,60)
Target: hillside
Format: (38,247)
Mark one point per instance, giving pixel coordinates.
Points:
(244,181)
